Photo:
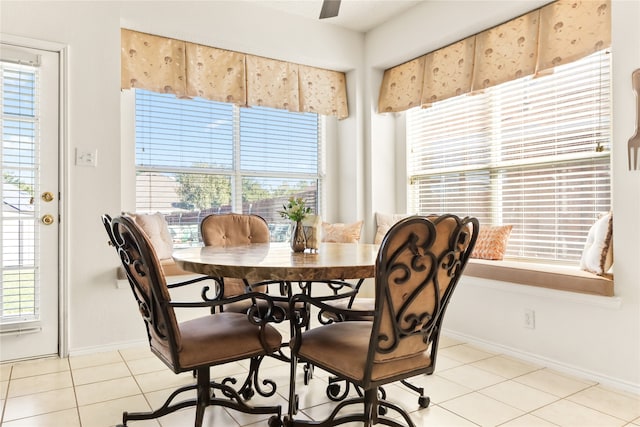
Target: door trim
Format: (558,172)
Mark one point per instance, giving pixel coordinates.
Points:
(63,179)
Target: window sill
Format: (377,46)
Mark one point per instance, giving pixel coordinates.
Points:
(544,276)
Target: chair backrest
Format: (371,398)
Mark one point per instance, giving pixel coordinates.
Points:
(233,230)
(419,264)
(148,284)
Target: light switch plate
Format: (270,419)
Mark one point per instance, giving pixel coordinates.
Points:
(85,157)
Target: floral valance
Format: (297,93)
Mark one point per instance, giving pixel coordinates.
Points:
(534,43)
(187,69)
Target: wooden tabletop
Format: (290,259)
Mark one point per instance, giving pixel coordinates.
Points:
(276,261)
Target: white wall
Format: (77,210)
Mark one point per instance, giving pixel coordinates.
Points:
(596,337)
(599,338)
(100,315)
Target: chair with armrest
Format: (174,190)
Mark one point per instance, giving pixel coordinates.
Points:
(196,344)
(419,264)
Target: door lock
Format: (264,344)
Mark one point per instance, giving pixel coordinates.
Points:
(47,219)
(47,196)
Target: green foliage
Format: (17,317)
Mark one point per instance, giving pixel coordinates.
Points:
(295,210)
(203,191)
(11,179)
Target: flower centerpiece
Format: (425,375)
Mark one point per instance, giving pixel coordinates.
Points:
(296,211)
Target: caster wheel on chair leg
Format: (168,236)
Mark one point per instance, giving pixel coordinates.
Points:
(424,401)
(275,421)
(333,390)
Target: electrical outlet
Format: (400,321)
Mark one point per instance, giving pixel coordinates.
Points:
(86,157)
(529,319)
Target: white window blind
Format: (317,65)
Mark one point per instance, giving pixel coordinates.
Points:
(533,153)
(195,157)
(19,296)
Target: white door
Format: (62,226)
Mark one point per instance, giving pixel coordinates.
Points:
(29,218)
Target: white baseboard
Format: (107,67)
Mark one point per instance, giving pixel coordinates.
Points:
(108,347)
(609,382)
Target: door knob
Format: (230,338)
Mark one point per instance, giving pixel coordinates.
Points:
(47,219)
(47,196)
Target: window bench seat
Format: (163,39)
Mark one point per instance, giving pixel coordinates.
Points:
(546,276)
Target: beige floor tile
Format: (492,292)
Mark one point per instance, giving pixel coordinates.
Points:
(443,363)
(528,421)
(464,353)
(233,369)
(280,375)
(482,409)
(5,371)
(321,412)
(437,388)
(163,379)
(612,403)
(569,414)
(106,390)
(636,421)
(109,413)
(96,359)
(315,393)
(471,377)
(553,382)
(519,395)
(96,374)
(4,386)
(446,341)
(146,365)
(437,416)
(66,418)
(157,398)
(40,383)
(39,367)
(39,403)
(134,353)
(505,366)
(244,419)
(213,417)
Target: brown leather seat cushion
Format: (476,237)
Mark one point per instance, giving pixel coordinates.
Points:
(342,348)
(221,338)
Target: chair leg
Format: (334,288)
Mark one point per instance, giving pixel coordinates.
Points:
(204,396)
(293,398)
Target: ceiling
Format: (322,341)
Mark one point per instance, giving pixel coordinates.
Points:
(356,15)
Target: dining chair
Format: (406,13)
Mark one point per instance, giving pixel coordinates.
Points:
(197,344)
(418,266)
(222,230)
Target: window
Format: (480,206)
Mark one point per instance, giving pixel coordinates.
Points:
(196,157)
(19,296)
(533,153)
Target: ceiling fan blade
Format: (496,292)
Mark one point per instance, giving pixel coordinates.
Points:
(330,8)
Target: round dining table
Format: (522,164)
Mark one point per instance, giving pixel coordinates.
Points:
(260,262)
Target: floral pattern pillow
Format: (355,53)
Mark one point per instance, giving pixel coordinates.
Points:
(341,233)
(492,242)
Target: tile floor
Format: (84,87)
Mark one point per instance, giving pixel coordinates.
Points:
(470,387)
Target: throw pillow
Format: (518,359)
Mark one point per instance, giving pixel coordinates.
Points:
(597,256)
(384,223)
(157,230)
(492,242)
(341,233)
